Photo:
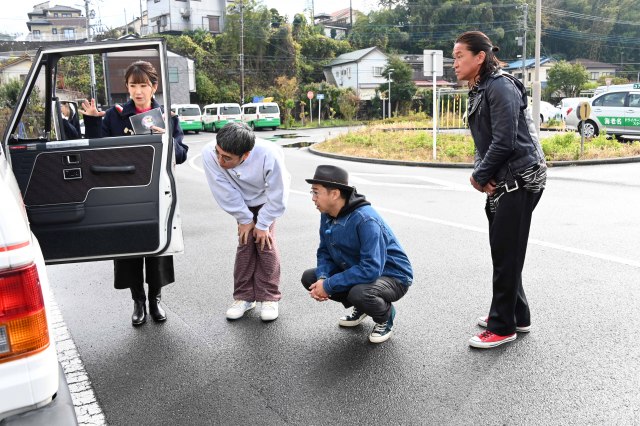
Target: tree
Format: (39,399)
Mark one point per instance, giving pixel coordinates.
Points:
(566,78)
(286,90)
(402,86)
(9,93)
(348,104)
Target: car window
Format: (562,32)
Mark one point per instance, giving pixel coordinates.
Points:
(250,110)
(269,109)
(189,112)
(31,123)
(230,110)
(611,100)
(634,100)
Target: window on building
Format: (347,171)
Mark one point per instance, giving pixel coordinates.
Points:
(349,72)
(66,15)
(36,34)
(54,31)
(377,71)
(173,75)
(69,33)
(214,23)
(55,15)
(595,75)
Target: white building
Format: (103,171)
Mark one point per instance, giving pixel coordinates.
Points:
(360,70)
(176,16)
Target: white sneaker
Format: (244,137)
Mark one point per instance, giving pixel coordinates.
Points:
(269,311)
(238,308)
(483,321)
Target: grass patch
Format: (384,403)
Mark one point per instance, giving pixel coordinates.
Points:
(416,145)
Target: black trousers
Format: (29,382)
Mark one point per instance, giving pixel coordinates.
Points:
(508,236)
(132,273)
(374,299)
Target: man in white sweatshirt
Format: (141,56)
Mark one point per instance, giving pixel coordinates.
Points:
(249,180)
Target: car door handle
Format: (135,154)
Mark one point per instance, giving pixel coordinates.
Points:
(113,169)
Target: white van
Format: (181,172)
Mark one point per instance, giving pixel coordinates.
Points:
(215,116)
(189,115)
(263,114)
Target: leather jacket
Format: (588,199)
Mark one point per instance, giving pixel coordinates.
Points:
(502,128)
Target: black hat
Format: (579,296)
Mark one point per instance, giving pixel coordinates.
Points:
(331,176)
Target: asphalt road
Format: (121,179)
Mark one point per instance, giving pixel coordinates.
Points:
(579,365)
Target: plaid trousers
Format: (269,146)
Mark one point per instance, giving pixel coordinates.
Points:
(256,274)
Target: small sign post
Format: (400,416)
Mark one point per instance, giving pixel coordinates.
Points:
(320,97)
(583,112)
(433,65)
(310,97)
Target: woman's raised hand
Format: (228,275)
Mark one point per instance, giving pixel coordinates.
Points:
(89,108)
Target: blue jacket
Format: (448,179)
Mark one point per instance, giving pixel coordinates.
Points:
(358,247)
(116,123)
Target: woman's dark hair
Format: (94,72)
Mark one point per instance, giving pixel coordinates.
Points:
(477,42)
(141,72)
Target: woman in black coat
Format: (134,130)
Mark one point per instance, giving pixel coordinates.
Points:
(142,82)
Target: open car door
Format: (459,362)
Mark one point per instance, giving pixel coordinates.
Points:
(93,199)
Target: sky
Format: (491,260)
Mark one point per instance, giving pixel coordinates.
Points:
(113,12)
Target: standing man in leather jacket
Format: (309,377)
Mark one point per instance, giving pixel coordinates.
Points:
(359,261)
(510,169)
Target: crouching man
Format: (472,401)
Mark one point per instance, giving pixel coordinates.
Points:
(360,262)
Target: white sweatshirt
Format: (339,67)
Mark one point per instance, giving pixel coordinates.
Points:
(261,179)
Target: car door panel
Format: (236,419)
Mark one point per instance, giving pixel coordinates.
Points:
(93,199)
(109,202)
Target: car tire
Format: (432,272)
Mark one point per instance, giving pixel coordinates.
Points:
(590,129)
(541,118)
(253,126)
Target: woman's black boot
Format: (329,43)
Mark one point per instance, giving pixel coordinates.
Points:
(155,310)
(139,315)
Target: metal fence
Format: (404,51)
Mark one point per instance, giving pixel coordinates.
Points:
(452,108)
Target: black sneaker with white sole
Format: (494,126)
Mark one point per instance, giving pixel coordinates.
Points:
(353,319)
(382,331)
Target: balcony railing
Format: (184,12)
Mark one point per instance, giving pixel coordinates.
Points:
(79,35)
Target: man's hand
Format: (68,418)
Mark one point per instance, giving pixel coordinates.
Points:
(262,238)
(316,290)
(89,108)
(243,232)
(489,188)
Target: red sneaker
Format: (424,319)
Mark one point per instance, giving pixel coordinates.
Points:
(487,339)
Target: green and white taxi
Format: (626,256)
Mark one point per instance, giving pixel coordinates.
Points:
(616,111)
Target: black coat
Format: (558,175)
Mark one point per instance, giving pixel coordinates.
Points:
(503,130)
(117,123)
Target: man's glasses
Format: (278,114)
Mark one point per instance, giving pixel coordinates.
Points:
(224,158)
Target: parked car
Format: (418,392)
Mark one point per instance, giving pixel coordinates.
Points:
(616,111)
(215,116)
(548,112)
(189,115)
(258,115)
(568,107)
(68,200)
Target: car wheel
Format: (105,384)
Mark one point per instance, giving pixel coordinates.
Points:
(197,132)
(541,118)
(253,126)
(274,128)
(588,129)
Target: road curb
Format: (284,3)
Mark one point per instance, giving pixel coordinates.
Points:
(621,160)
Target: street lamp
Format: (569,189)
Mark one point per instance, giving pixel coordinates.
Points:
(389,71)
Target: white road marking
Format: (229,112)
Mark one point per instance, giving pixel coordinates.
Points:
(589,253)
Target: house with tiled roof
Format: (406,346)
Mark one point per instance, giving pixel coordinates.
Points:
(596,69)
(15,68)
(337,24)
(515,68)
(360,70)
(57,23)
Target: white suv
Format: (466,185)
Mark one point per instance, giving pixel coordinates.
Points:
(84,199)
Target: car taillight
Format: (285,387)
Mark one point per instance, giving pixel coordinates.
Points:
(23,321)
(569,110)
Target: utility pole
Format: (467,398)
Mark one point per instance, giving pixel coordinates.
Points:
(524,45)
(390,70)
(92,67)
(241,52)
(141,32)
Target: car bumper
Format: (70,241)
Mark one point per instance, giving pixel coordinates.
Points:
(58,412)
(191,126)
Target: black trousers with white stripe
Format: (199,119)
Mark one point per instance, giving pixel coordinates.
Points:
(508,236)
